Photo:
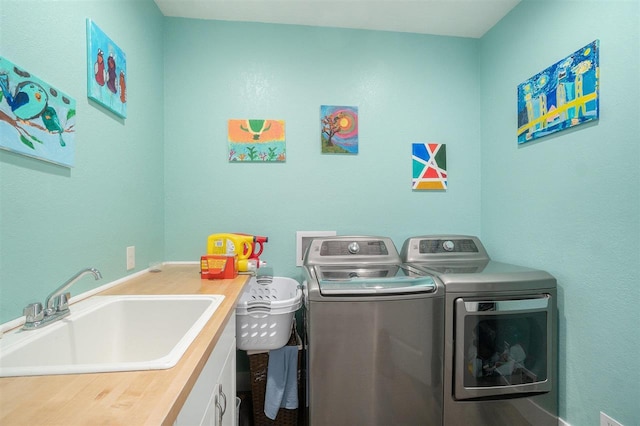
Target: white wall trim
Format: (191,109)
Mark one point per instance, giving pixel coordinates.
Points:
(562,422)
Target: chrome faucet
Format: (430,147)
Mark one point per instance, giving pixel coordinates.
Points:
(56,304)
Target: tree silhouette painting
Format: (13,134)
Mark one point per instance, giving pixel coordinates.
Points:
(36,119)
(339,129)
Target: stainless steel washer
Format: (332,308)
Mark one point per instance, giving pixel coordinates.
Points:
(500,356)
(374,335)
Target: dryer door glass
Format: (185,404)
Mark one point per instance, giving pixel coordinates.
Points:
(502,347)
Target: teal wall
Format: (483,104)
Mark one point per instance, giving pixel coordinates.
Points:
(55,221)
(159,180)
(570,203)
(408,88)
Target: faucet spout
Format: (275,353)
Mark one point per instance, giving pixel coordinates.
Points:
(56,305)
(50,301)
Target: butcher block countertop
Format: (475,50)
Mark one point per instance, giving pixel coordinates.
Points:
(125,398)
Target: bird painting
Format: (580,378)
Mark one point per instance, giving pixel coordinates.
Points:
(28,101)
(52,123)
(111,74)
(98,68)
(36,118)
(106,71)
(123,88)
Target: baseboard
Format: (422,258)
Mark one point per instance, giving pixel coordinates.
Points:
(562,422)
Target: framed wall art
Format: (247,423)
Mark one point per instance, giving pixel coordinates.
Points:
(564,95)
(429,166)
(106,71)
(256,140)
(339,129)
(36,119)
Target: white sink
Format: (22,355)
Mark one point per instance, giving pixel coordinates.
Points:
(110,333)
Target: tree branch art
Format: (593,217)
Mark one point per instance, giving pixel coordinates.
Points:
(26,137)
(331,126)
(36,119)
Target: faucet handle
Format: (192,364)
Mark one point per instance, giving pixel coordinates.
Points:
(61,302)
(33,312)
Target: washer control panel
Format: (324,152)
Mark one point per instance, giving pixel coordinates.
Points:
(351,250)
(361,248)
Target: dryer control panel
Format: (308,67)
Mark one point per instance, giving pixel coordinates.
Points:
(439,248)
(448,246)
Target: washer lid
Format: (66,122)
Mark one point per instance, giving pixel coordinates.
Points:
(372,280)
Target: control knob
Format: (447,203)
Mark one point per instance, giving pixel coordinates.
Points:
(448,245)
(353,247)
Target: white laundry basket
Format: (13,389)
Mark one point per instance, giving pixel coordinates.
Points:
(265,312)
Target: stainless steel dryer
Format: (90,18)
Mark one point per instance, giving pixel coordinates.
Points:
(374,335)
(500,356)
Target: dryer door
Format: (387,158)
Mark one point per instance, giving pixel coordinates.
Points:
(502,346)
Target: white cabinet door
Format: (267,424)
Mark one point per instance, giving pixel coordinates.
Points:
(223,402)
(199,408)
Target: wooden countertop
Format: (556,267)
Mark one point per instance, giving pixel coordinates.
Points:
(124,398)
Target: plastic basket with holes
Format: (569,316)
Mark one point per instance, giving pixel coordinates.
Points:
(265,312)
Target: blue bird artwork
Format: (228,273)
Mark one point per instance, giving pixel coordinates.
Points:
(36,119)
(52,123)
(28,101)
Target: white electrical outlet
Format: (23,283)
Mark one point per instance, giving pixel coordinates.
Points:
(131,257)
(304,238)
(608,421)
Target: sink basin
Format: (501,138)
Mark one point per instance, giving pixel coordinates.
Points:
(110,333)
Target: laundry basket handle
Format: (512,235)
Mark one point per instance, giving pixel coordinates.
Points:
(259,307)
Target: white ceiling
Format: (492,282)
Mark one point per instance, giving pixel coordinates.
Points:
(461,18)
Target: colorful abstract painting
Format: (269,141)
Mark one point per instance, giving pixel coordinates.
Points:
(253,140)
(562,96)
(429,166)
(36,119)
(106,71)
(339,126)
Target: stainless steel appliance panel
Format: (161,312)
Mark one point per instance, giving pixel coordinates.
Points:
(376,362)
(374,331)
(493,311)
(501,346)
(517,407)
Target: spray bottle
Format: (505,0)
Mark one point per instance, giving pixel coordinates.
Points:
(253,262)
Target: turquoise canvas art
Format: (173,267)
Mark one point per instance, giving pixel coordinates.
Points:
(106,71)
(36,119)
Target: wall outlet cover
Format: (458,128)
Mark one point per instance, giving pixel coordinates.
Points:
(304,238)
(131,257)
